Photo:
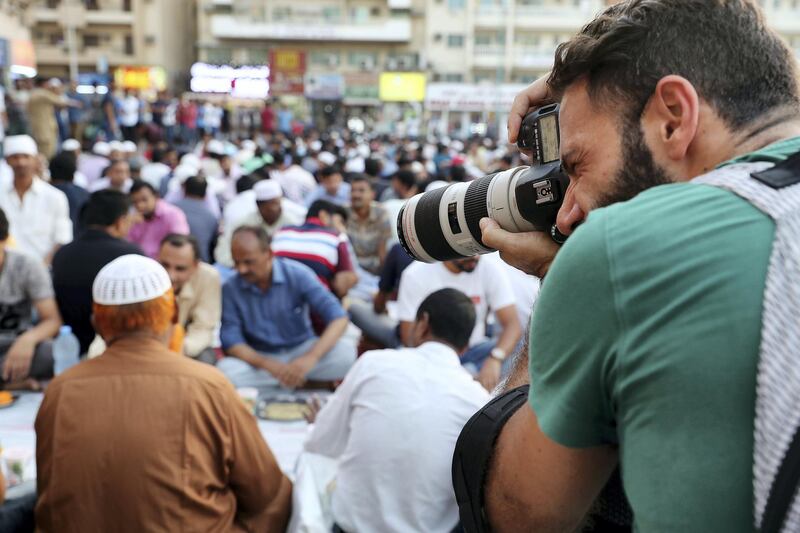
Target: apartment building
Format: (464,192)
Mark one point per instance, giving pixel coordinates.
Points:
(103,35)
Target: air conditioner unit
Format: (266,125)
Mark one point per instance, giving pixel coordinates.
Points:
(333,61)
(391,64)
(437,37)
(367,64)
(150,39)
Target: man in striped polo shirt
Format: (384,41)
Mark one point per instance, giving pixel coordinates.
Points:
(320,243)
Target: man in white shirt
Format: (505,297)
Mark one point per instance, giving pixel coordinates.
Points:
(393,425)
(297,183)
(487,285)
(270,213)
(38,213)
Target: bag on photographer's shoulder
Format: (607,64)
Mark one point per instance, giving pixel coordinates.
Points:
(775,190)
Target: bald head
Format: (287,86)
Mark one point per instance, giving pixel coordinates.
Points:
(251,254)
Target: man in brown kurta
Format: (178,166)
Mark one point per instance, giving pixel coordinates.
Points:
(42,107)
(143,439)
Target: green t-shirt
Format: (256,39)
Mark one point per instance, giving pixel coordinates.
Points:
(646,335)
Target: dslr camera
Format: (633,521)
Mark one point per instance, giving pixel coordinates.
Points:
(442,224)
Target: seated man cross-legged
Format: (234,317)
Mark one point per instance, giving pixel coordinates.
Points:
(266,326)
(394,421)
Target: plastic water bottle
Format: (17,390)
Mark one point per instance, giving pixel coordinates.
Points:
(66,350)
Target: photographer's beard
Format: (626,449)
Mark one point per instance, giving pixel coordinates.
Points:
(638,170)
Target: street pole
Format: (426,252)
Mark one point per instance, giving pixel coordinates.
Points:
(73,53)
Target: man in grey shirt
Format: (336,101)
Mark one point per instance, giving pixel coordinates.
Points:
(203,225)
(25,349)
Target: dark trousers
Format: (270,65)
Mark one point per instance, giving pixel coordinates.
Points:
(42,363)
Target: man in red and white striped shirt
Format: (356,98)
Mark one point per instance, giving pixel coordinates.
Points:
(321,244)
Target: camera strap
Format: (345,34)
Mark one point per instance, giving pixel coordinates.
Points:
(775,191)
(474,449)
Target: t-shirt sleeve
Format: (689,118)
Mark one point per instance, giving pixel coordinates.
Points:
(319,298)
(500,293)
(38,284)
(409,295)
(575,334)
(345,264)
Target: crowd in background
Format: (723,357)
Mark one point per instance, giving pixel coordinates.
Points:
(180,161)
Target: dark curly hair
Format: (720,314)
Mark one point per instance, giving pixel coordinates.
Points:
(724,48)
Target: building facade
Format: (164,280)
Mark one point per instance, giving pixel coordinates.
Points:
(102,35)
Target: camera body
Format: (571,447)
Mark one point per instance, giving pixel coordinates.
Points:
(443,224)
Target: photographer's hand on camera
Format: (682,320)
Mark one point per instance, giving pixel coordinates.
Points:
(535,95)
(531,252)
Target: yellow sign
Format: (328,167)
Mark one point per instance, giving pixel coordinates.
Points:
(288,61)
(141,78)
(402,87)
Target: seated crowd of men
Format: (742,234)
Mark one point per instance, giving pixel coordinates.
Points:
(252,265)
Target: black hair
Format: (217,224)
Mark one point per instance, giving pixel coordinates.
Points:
(725,49)
(3,226)
(451,316)
(372,167)
(329,207)
(138,185)
(258,232)
(406,177)
(195,186)
(458,173)
(329,171)
(63,167)
(245,183)
(361,178)
(178,241)
(104,208)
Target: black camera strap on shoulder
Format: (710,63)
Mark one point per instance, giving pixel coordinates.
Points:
(474,449)
(783,174)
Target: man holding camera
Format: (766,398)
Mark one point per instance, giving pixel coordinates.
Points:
(645,339)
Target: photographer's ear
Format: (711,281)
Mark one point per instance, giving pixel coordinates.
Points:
(670,120)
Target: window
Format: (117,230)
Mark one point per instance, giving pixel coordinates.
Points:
(362,59)
(91,40)
(219,56)
(126,5)
(456,5)
(455,40)
(359,15)
(129,45)
(56,38)
(375,12)
(281,13)
(324,59)
(454,78)
(257,56)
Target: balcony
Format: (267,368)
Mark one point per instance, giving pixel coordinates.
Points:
(554,18)
(391,30)
(488,56)
(111,14)
(533,58)
(491,16)
(57,55)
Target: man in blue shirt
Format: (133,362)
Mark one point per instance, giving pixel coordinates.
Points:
(266,328)
(332,188)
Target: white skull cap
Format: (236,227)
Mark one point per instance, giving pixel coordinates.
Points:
(129,146)
(19,144)
(101,148)
(191,160)
(130,279)
(70,145)
(267,190)
(183,172)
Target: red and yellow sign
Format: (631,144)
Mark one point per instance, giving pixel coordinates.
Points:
(286,71)
(141,78)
